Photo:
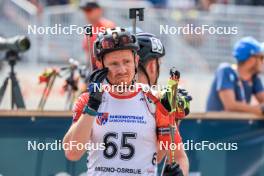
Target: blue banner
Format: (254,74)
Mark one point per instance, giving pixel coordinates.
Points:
(245,158)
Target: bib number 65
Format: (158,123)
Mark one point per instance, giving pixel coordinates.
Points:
(111,148)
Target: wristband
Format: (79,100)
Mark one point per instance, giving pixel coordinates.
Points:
(89,111)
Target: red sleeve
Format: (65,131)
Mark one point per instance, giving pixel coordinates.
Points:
(163,123)
(79,104)
(178,138)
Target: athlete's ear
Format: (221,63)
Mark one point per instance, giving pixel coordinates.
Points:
(136,60)
(151,67)
(99,64)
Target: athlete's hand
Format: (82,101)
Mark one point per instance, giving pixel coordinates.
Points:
(184,99)
(173,170)
(95,89)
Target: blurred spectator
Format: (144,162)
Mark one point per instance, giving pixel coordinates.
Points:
(233,88)
(94,16)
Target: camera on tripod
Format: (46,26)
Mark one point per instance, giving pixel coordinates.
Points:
(13,46)
(18,43)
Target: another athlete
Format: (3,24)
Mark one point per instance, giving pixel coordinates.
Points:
(150,55)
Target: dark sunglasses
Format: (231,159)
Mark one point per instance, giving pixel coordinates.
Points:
(119,41)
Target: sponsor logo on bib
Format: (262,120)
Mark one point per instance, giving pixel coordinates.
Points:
(102,118)
(105,117)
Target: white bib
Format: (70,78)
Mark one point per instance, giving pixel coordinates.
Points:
(128,130)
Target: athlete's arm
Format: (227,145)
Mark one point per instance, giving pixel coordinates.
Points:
(80,130)
(182,160)
(79,133)
(227,97)
(179,155)
(84,112)
(181,167)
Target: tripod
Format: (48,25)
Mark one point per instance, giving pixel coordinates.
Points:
(71,87)
(16,95)
(46,92)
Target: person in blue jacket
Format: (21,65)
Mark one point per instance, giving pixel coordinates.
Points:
(233,86)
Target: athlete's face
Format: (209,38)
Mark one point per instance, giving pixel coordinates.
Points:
(93,15)
(121,65)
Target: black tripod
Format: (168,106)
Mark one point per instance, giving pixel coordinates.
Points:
(16,95)
(71,87)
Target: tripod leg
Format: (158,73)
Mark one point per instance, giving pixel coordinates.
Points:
(3,89)
(72,99)
(17,98)
(47,92)
(42,98)
(44,94)
(68,99)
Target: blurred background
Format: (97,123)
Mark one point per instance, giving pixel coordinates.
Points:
(196,56)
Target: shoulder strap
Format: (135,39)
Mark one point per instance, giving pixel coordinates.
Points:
(149,95)
(151,102)
(154,103)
